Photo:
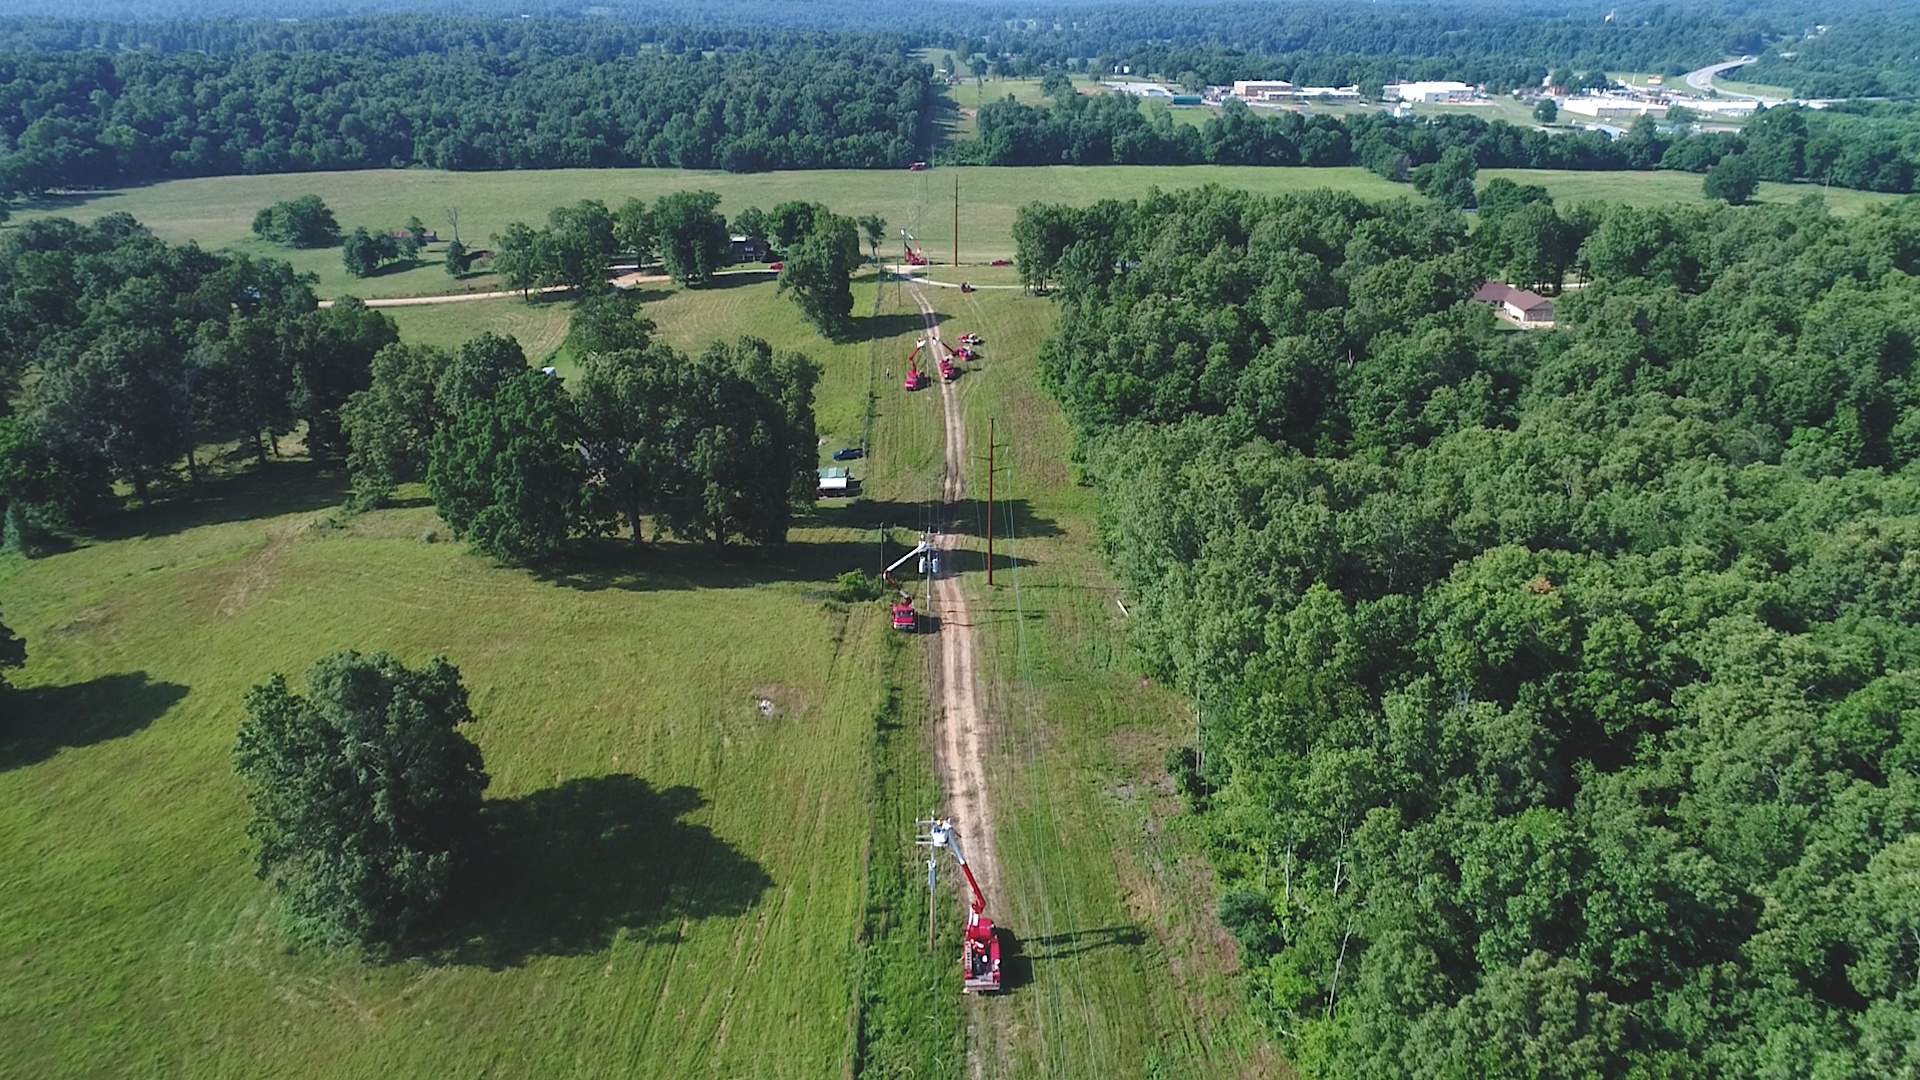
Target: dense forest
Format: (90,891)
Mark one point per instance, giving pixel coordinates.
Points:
(94,103)
(1557,689)
(1869,53)
(1876,149)
(790,102)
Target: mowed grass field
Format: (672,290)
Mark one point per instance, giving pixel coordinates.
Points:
(679,885)
(218,211)
(677,880)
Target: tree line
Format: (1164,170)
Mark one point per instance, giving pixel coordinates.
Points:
(794,102)
(142,353)
(1874,152)
(716,447)
(1556,689)
(131,360)
(685,233)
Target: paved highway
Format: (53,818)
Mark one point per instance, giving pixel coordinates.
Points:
(1702,80)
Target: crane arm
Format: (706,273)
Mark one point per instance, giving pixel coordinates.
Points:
(941,835)
(917,549)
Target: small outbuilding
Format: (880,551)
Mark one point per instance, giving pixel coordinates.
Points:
(835,483)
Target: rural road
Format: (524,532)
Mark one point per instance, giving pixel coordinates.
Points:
(961,732)
(624,281)
(1702,80)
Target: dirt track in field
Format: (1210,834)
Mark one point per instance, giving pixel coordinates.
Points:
(962,732)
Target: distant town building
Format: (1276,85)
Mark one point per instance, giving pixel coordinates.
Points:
(1430,93)
(1613,108)
(1275,92)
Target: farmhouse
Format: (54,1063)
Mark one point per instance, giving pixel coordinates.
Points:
(1527,309)
(746,249)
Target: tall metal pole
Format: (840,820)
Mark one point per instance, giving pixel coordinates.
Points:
(956,218)
(989,501)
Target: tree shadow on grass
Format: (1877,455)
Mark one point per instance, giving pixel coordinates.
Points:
(260,491)
(967,517)
(939,123)
(867,327)
(593,565)
(40,721)
(568,869)
(1076,942)
(738,279)
(401,266)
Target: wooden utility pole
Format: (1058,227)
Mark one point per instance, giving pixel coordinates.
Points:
(991,447)
(956,221)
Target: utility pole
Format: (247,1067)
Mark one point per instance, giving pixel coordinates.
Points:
(991,447)
(956,221)
(932,915)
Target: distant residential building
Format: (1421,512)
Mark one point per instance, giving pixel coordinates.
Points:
(747,249)
(1528,309)
(1429,93)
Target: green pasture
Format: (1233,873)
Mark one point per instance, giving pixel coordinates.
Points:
(1666,188)
(678,884)
(1752,89)
(540,326)
(677,879)
(218,211)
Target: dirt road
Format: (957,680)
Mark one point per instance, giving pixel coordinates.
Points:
(961,734)
(623,281)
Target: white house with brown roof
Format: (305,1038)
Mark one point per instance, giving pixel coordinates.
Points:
(1527,309)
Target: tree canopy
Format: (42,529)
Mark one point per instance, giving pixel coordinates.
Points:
(504,474)
(819,269)
(370,94)
(365,796)
(1555,688)
(305,222)
(144,352)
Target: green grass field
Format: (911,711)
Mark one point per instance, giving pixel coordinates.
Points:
(683,886)
(670,909)
(218,211)
(687,887)
(1765,90)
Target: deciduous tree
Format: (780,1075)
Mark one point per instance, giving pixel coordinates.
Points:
(365,795)
(692,235)
(506,472)
(305,222)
